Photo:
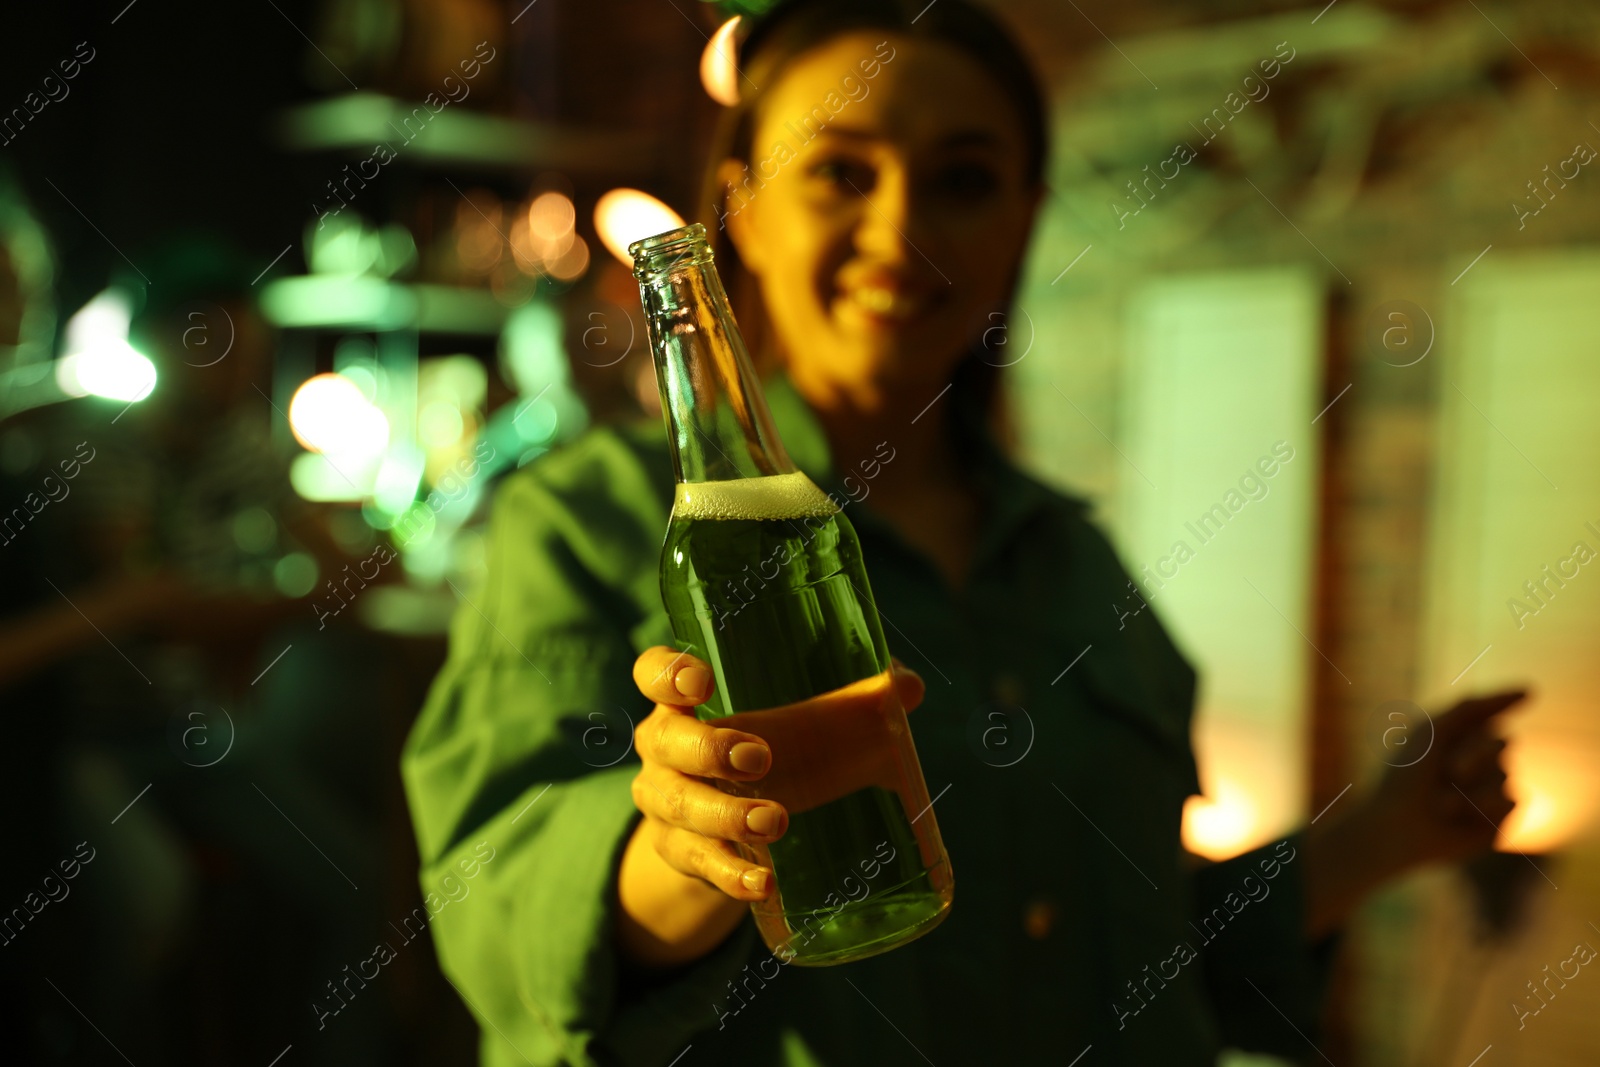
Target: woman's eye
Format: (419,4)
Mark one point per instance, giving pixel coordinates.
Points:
(966,180)
(842,173)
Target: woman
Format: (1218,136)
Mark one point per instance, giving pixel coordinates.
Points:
(878,185)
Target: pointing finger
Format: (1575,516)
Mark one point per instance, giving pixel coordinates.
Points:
(1474,714)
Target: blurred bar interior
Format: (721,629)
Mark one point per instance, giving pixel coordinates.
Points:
(286,288)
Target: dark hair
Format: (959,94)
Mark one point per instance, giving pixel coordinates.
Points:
(792,28)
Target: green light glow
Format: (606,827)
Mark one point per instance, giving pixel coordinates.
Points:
(398,479)
(362,121)
(359,303)
(295,575)
(365,303)
(112,369)
(314,478)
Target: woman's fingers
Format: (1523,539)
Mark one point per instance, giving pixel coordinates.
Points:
(909,684)
(831,745)
(694,824)
(668,676)
(672,737)
(714,862)
(691,804)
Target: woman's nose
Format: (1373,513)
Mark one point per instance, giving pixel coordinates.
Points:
(889,222)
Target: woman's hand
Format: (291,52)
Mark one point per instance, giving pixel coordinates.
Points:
(1445,807)
(1449,805)
(816,750)
(682,886)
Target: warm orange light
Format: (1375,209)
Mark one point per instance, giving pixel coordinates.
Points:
(624,216)
(526,248)
(1221,825)
(544,235)
(719,72)
(478,240)
(571,263)
(1555,793)
(551,216)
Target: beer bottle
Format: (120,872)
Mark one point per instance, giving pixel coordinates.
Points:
(762,578)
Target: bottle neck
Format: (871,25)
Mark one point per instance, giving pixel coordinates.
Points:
(716,417)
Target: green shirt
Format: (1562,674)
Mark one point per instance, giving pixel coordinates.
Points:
(1054,738)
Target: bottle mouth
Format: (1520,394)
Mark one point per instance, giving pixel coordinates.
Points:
(653,254)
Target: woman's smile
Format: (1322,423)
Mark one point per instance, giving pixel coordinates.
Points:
(880,302)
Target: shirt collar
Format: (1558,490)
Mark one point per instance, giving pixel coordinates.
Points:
(1014,495)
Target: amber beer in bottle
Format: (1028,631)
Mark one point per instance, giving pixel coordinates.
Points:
(762,578)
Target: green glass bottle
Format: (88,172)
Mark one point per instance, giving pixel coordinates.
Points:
(762,577)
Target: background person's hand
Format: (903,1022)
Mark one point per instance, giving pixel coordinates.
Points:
(1445,807)
(816,749)
(1450,804)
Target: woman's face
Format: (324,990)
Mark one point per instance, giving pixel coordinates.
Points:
(885,209)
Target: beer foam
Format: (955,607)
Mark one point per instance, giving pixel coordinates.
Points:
(775,496)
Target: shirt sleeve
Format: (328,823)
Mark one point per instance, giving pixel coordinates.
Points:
(1265,978)
(518,775)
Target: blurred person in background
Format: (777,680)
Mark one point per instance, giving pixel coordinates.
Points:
(145,601)
(610,924)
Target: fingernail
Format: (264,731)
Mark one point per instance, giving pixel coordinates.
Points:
(764,821)
(749,757)
(693,682)
(756,881)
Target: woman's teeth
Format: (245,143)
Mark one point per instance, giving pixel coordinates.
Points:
(887,303)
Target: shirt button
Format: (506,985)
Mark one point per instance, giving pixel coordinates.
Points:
(1038,918)
(1006,689)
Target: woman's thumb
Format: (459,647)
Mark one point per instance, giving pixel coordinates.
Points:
(908,684)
